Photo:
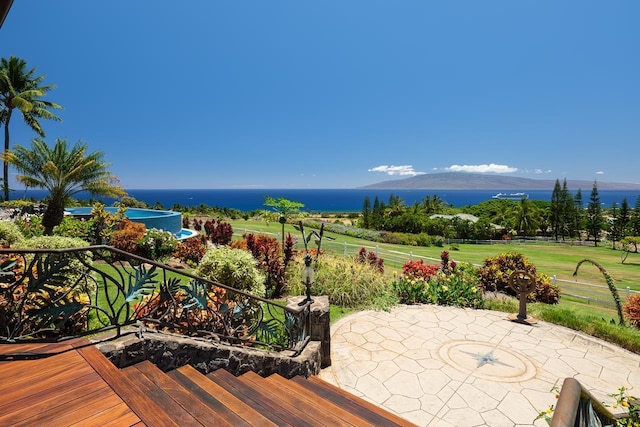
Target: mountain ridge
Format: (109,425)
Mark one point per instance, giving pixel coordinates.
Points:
(480,181)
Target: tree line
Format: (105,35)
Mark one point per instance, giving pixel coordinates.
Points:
(563,217)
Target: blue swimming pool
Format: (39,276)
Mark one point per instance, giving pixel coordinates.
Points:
(151,218)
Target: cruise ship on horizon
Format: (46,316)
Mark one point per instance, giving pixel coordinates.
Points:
(511,196)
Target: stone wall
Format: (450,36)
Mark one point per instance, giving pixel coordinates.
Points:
(25,212)
(170,351)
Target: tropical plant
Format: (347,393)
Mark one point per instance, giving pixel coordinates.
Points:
(526,217)
(63,172)
(218,231)
(370,258)
(610,284)
(271,260)
(103,223)
(21,89)
(495,272)
(285,208)
(631,403)
(410,290)
(40,301)
(419,270)
(631,310)
(31,227)
(127,235)
(191,250)
(457,286)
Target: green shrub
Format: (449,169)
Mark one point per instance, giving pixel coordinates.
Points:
(131,202)
(17,203)
(54,242)
(232,267)
(74,227)
(10,233)
(31,227)
(347,283)
(424,239)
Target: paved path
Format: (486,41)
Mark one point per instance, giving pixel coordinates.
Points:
(442,366)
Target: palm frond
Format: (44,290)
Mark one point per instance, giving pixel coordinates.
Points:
(141,282)
(196,294)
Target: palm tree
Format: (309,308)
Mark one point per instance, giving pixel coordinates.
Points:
(432,204)
(21,89)
(395,207)
(63,172)
(526,217)
(503,214)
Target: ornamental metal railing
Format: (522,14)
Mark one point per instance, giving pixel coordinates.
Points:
(577,406)
(53,295)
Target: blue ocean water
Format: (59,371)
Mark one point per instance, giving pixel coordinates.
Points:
(329,200)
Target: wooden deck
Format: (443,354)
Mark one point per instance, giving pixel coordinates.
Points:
(77,386)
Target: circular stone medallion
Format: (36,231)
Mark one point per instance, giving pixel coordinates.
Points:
(487,361)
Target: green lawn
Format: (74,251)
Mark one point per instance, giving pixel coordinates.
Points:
(550,258)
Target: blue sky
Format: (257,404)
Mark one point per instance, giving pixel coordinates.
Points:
(338,94)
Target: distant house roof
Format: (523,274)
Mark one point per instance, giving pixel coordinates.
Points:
(466,217)
(5,5)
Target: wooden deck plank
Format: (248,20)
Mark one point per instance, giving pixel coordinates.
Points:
(72,411)
(160,397)
(21,390)
(117,416)
(235,410)
(366,410)
(47,398)
(280,383)
(277,411)
(182,396)
(150,412)
(24,370)
(314,412)
(39,348)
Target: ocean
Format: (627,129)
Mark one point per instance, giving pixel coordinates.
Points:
(328,200)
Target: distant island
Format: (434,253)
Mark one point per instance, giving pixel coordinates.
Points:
(480,181)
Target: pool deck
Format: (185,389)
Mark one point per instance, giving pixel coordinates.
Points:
(443,366)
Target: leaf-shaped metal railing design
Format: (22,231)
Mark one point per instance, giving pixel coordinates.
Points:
(53,295)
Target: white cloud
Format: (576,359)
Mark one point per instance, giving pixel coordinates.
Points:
(404,170)
(490,168)
(542,171)
(599,173)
